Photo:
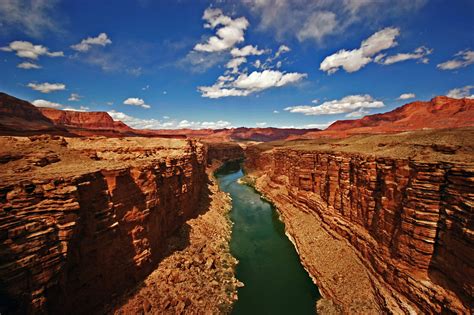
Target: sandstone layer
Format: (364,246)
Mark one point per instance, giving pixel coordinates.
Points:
(385,229)
(83,219)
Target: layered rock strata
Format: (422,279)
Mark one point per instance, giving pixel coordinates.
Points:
(197,277)
(92,219)
(410,223)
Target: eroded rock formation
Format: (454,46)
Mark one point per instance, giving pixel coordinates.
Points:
(409,221)
(81,228)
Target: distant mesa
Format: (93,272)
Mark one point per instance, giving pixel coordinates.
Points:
(19,117)
(439,113)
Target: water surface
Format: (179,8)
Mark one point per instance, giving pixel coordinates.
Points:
(275,281)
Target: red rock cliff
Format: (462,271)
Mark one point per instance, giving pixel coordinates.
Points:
(96,223)
(411,222)
(83,120)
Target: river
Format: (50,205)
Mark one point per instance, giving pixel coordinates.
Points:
(275,281)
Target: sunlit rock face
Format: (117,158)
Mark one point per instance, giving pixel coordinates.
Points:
(410,221)
(80,228)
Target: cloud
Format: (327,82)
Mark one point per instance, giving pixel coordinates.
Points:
(32,17)
(318,25)
(419,53)
(139,123)
(28,65)
(261,124)
(246,51)
(80,109)
(45,103)
(101,40)
(318,20)
(462,59)
(276,112)
(348,104)
(308,126)
(406,96)
(74,97)
(235,63)
(464,92)
(357,114)
(354,60)
(47,87)
(136,102)
(25,49)
(230,33)
(246,84)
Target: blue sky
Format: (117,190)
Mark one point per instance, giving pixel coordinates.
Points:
(200,64)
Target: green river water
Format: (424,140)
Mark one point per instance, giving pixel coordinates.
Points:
(275,281)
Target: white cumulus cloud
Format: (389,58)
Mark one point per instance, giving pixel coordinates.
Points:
(246,84)
(247,51)
(101,40)
(235,63)
(134,101)
(45,103)
(354,60)
(461,59)
(463,92)
(353,104)
(230,31)
(24,49)
(47,87)
(139,123)
(406,96)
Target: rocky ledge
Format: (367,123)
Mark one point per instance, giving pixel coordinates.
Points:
(388,228)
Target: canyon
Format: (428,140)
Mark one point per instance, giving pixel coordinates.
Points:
(100,217)
(382,223)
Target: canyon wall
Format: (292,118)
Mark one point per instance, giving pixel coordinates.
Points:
(410,222)
(70,243)
(224,152)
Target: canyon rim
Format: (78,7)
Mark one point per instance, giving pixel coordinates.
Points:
(237,157)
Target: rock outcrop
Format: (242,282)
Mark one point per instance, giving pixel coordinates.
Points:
(79,229)
(409,221)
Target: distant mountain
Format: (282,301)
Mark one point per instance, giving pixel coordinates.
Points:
(440,112)
(18,117)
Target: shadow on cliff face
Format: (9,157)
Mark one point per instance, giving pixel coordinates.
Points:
(10,304)
(451,264)
(119,238)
